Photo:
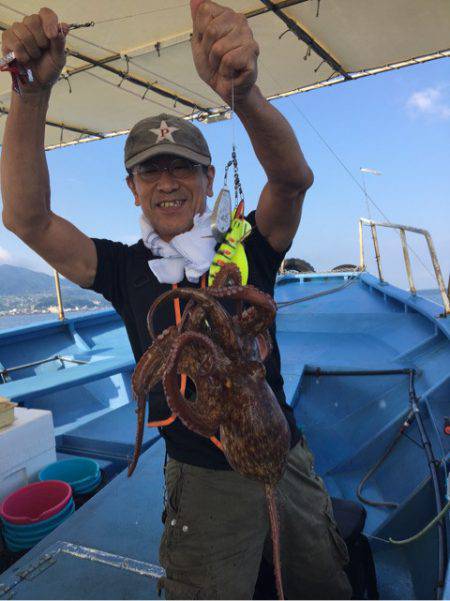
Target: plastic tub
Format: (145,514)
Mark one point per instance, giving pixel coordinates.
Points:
(17,546)
(43,526)
(79,471)
(36,502)
(31,536)
(82,490)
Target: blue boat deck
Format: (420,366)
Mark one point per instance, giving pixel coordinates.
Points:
(349,420)
(108,550)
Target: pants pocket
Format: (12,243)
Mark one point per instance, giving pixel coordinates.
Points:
(174,485)
(337,542)
(171,514)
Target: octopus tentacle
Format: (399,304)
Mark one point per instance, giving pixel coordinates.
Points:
(252,321)
(221,329)
(275,531)
(230,275)
(264,342)
(147,373)
(150,367)
(193,318)
(200,359)
(140,410)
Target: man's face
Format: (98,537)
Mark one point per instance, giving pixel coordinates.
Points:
(170,202)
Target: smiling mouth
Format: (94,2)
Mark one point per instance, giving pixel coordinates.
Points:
(170,204)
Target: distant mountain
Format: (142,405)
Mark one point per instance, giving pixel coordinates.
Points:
(19,280)
(24,290)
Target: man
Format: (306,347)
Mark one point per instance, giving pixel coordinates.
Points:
(217,525)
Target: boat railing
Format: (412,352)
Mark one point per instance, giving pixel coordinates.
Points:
(4,373)
(402,230)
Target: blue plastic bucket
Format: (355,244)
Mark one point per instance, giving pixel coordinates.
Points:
(78,472)
(15,546)
(82,490)
(19,541)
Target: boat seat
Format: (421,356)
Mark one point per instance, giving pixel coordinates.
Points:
(46,383)
(350,518)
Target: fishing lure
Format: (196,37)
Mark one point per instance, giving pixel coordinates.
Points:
(232,249)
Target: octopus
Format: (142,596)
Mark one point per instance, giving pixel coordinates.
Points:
(224,356)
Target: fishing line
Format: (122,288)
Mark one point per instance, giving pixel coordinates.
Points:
(344,166)
(147,12)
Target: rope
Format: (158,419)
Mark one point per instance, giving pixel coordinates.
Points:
(389,504)
(422,532)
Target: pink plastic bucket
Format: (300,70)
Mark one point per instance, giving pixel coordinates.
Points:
(36,502)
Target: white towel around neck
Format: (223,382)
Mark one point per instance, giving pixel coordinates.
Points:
(190,253)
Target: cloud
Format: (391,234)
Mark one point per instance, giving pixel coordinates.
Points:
(5,255)
(430,101)
(27,259)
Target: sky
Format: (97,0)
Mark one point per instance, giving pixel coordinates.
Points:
(397,123)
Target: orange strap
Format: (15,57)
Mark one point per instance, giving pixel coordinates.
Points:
(216,442)
(177,310)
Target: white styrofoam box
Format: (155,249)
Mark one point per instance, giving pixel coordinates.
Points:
(26,446)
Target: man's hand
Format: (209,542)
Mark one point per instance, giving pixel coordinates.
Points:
(224,50)
(38,43)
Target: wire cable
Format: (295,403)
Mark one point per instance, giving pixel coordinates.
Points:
(344,166)
(303,299)
(146,12)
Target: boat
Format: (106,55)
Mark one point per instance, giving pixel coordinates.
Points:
(366,365)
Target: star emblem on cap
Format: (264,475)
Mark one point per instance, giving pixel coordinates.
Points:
(164,132)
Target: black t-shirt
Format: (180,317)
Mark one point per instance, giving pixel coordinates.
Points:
(125,279)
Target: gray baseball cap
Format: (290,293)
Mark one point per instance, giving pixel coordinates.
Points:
(165,134)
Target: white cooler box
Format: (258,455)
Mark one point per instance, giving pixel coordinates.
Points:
(26,446)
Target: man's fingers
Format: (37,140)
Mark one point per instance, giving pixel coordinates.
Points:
(11,43)
(28,38)
(205,12)
(28,48)
(224,45)
(49,21)
(217,37)
(34,25)
(237,63)
(194,5)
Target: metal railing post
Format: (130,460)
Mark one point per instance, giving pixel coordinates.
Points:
(362,267)
(445,294)
(58,295)
(437,271)
(407,261)
(377,250)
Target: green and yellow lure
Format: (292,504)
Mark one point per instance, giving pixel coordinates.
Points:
(232,249)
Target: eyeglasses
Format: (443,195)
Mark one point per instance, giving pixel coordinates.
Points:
(178,168)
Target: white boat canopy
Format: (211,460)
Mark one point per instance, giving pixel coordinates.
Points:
(136,60)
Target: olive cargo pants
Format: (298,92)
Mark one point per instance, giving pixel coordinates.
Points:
(217,528)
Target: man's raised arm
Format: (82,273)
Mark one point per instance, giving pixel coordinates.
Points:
(225,55)
(38,43)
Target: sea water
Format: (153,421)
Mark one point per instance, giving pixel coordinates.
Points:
(17,321)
